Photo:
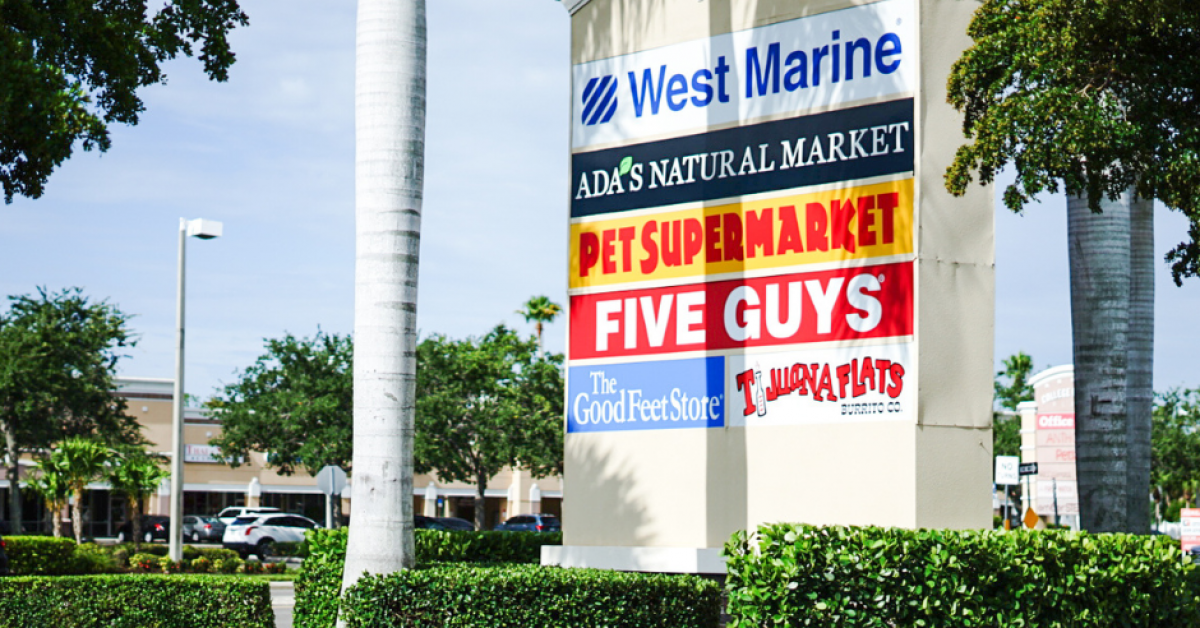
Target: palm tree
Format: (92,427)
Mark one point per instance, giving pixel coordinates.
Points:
(539,310)
(389,177)
(1112,320)
(80,461)
(50,484)
(137,475)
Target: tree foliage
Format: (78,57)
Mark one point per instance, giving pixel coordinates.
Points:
(295,402)
(1017,369)
(80,461)
(1175,449)
(72,68)
(58,357)
(486,404)
(137,475)
(1092,97)
(540,310)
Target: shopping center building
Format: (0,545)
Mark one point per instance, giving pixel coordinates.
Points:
(211,485)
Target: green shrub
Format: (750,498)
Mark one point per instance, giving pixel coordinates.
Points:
(290,549)
(201,565)
(521,596)
(40,555)
(144,563)
(320,579)
(91,558)
(213,553)
(226,565)
(131,601)
(800,575)
(320,576)
(251,567)
(275,568)
(169,566)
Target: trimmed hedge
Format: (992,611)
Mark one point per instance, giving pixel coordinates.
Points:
(131,601)
(527,596)
(320,576)
(801,575)
(41,555)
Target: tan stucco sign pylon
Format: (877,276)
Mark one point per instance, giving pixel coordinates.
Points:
(776,313)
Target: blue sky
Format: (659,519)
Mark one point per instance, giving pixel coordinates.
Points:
(271,154)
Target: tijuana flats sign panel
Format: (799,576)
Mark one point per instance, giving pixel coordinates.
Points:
(872,383)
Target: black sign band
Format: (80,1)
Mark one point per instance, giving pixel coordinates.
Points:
(843,145)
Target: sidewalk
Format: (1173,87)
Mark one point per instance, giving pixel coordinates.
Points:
(283,599)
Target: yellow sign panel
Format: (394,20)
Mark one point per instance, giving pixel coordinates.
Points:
(835,225)
(1031,518)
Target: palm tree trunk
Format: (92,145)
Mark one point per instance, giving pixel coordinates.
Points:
(480,501)
(1112,317)
(389,176)
(77,515)
(12,457)
(135,522)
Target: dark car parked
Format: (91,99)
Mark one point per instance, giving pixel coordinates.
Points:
(154,528)
(421,522)
(3,557)
(456,524)
(531,523)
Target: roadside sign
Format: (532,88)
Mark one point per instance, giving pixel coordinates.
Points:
(1007,470)
(1031,519)
(331,480)
(1029,468)
(1189,529)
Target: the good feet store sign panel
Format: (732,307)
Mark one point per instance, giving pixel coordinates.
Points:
(776,312)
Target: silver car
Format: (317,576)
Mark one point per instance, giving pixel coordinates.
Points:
(197,528)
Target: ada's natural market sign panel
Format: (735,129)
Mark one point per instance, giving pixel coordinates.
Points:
(833,59)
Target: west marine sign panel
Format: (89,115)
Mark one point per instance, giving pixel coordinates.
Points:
(817,63)
(742,228)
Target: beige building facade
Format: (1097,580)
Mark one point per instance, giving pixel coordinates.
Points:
(211,485)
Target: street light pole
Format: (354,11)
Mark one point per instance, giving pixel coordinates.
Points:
(205,230)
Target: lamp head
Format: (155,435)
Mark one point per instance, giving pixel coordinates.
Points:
(204,229)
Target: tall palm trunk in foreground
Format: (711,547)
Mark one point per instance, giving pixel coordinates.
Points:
(389,112)
(1112,318)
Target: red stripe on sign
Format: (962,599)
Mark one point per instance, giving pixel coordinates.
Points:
(842,304)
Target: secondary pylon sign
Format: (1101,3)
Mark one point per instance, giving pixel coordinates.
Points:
(768,241)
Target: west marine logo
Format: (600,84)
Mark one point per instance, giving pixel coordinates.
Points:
(599,100)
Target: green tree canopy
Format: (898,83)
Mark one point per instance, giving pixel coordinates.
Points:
(1088,96)
(58,357)
(72,68)
(1016,371)
(79,461)
(486,404)
(539,310)
(1175,447)
(295,402)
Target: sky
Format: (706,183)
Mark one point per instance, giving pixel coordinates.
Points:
(270,153)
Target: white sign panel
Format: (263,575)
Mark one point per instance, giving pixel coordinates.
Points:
(1007,470)
(815,386)
(859,54)
(1067,497)
(201,453)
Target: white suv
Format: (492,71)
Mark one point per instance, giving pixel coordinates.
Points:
(258,533)
(229,514)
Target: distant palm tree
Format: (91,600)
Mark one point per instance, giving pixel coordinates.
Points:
(51,485)
(389,130)
(539,310)
(81,461)
(137,475)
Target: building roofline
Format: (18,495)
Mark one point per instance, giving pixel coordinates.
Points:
(1052,372)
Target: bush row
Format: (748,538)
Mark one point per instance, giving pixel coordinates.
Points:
(133,601)
(320,577)
(149,563)
(529,596)
(43,555)
(800,575)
